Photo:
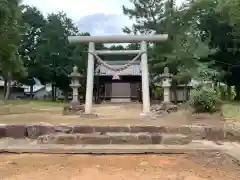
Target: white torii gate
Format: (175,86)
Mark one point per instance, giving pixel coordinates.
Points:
(142,39)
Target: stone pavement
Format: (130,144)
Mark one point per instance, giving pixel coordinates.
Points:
(31,146)
(9,145)
(28,146)
(232,149)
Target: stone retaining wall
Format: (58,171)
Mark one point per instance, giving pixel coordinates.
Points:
(196,132)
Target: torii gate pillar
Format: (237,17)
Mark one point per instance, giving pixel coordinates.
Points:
(143,39)
(90,78)
(145,79)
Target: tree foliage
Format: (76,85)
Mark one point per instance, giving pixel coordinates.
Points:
(203,42)
(203,38)
(11,64)
(32,22)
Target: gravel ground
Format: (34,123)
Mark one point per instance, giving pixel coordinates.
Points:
(204,166)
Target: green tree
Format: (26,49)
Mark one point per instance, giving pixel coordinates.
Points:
(33,22)
(54,52)
(182,51)
(219,22)
(146,14)
(10,62)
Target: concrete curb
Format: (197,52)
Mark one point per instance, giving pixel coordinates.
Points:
(195,147)
(234,155)
(108,149)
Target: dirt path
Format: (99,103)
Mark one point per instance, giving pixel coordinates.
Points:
(144,167)
(108,114)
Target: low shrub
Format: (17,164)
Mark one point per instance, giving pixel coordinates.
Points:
(205,99)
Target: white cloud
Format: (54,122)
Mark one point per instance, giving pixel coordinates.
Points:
(81,12)
(100,23)
(79,8)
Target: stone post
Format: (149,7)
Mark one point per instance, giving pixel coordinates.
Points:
(90,78)
(145,79)
(166,84)
(75,86)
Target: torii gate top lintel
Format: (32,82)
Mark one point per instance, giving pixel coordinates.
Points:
(118,38)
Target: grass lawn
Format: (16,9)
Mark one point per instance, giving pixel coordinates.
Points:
(35,103)
(24,107)
(231,112)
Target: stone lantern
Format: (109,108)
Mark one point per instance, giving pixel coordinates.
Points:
(167,106)
(166,84)
(75,76)
(74,107)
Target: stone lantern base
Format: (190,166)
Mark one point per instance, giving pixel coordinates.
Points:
(73,109)
(167,107)
(89,116)
(77,109)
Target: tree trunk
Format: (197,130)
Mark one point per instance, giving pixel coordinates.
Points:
(31,92)
(185,93)
(229,92)
(237,98)
(53,93)
(65,96)
(174,89)
(175,94)
(5,86)
(8,89)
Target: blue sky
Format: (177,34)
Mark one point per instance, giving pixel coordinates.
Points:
(99,17)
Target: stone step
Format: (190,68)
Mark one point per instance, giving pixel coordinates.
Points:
(197,132)
(115,138)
